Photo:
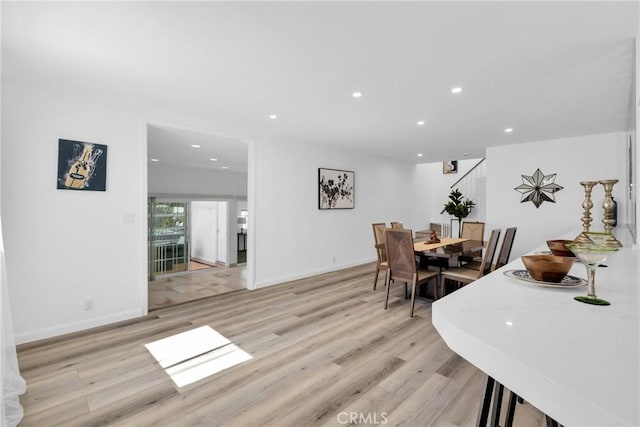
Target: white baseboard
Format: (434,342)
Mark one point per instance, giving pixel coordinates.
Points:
(66,328)
(283,279)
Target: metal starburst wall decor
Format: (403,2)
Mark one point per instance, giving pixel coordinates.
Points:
(538,188)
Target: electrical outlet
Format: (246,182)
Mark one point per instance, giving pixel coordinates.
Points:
(88,304)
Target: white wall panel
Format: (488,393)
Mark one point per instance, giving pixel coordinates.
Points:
(66,247)
(584,158)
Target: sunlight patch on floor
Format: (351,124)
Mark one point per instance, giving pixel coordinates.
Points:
(196,354)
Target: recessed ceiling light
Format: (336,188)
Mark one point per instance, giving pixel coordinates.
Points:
(213,159)
(508,130)
(465,154)
(155,160)
(420,122)
(225,167)
(356,94)
(456,90)
(419,154)
(273,116)
(195,146)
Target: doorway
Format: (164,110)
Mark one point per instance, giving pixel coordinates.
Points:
(203,170)
(186,236)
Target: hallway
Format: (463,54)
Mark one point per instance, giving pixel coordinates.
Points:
(195,285)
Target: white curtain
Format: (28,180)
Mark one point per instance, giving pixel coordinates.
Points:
(13,385)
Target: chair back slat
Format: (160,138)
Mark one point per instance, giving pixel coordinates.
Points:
(489,252)
(507,244)
(378,235)
(402,261)
(472,230)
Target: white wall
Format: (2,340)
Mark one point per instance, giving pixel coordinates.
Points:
(635,128)
(585,158)
(175,180)
(203,229)
(433,188)
(65,247)
(293,237)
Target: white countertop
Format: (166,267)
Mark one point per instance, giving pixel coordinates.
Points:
(577,363)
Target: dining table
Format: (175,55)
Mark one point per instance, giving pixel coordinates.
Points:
(448,248)
(442,255)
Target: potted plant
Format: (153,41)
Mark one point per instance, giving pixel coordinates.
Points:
(458,207)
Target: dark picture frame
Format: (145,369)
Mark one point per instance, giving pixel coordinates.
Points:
(81,166)
(336,189)
(450,166)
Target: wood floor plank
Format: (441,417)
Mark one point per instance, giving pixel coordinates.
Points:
(418,410)
(326,404)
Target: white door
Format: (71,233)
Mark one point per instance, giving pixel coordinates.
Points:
(204,231)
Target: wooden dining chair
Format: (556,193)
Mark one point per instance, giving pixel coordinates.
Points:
(503,255)
(466,275)
(402,264)
(397,226)
(381,251)
(472,230)
(505,249)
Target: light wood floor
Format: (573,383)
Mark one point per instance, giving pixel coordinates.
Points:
(321,347)
(178,289)
(195,265)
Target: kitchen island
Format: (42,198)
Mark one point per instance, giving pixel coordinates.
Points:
(577,363)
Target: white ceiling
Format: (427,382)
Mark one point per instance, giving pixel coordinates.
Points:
(172,146)
(545,69)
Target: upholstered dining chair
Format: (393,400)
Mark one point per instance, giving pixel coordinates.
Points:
(397,226)
(466,275)
(472,231)
(381,251)
(402,264)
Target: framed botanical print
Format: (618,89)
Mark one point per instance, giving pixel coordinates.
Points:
(336,189)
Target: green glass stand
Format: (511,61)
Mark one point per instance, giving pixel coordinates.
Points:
(592,300)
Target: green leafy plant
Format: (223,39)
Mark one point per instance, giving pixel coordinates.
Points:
(458,206)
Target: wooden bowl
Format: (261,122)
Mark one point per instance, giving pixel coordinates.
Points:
(558,247)
(547,268)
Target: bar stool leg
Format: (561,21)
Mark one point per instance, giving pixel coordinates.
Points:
(497,404)
(483,415)
(511,409)
(551,422)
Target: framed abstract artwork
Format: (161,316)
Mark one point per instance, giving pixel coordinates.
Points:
(82,166)
(336,189)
